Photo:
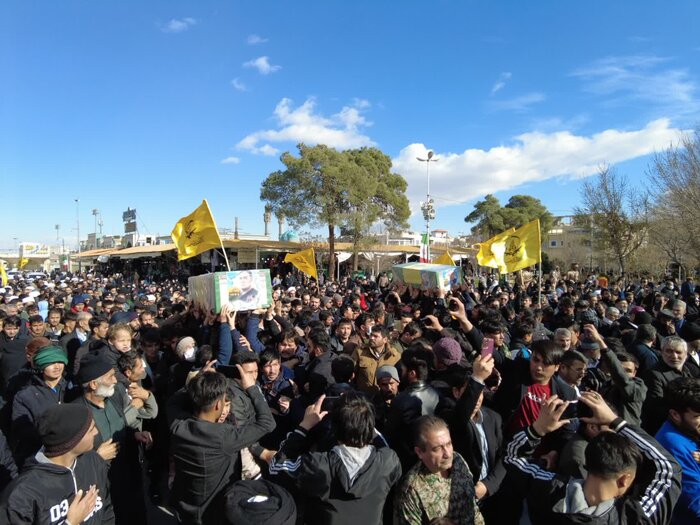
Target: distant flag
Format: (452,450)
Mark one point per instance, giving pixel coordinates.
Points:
(424,248)
(3,274)
(22,263)
(486,257)
(196,233)
(519,249)
(446,259)
(304,261)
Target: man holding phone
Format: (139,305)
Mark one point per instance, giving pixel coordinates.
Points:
(206,451)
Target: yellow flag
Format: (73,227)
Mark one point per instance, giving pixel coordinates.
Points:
(196,233)
(486,257)
(3,275)
(446,259)
(304,260)
(519,249)
(22,263)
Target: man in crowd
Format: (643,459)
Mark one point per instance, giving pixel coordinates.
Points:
(206,449)
(674,352)
(67,482)
(350,483)
(613,460)
(440,485)
(369,358)
(680,435)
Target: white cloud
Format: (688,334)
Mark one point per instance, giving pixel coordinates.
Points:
(262,64)
(238,85)
(253,40)
(645,78)
(178,26)
(519,104)
(361,103)
(304,124)
(533,157)
(267,149)
(501,82)
(231,160)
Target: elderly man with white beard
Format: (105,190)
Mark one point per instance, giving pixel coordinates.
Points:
(116,442)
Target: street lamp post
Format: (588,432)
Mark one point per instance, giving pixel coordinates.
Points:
(77,218)
(428,207)
(98,221)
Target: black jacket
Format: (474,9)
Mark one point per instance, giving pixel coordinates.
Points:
(545,491)
(626,394)
(42,493)
(12,357)
(205,456)
(646,356)
(655,411)
(419,399)
(27,405)
(8,468)
(336,498)
(317,371)
(465,438)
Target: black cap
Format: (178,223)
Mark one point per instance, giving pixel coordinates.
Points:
(92,366)
(61,427)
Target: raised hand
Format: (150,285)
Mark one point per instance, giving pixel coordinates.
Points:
(313,415)
(549,419)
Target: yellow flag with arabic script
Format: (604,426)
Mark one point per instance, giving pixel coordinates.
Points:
(196,233)
(486,257)
(446,259)
(519,249)
(22,263)
(3,274)
(304,261)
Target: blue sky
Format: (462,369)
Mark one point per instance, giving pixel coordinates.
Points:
(156,105)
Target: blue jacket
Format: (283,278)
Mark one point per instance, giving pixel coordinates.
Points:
(229,340)
(687,509)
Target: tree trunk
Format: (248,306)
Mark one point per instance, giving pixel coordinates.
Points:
(621,260)
(355,251)
(331,252)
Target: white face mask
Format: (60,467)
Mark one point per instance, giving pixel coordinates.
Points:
(190,353)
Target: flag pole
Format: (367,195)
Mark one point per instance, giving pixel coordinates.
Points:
(221,242)
(539,280)
(223,250)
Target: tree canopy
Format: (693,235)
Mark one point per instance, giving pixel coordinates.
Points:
(350,189)
(617,212)
(675,191)
(491,218)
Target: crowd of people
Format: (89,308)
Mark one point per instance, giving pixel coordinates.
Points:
(360,401)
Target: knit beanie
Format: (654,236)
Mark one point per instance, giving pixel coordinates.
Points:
(387,371)
(48,356)
(92,366)
(61,427)
(183,344)
(447,351)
